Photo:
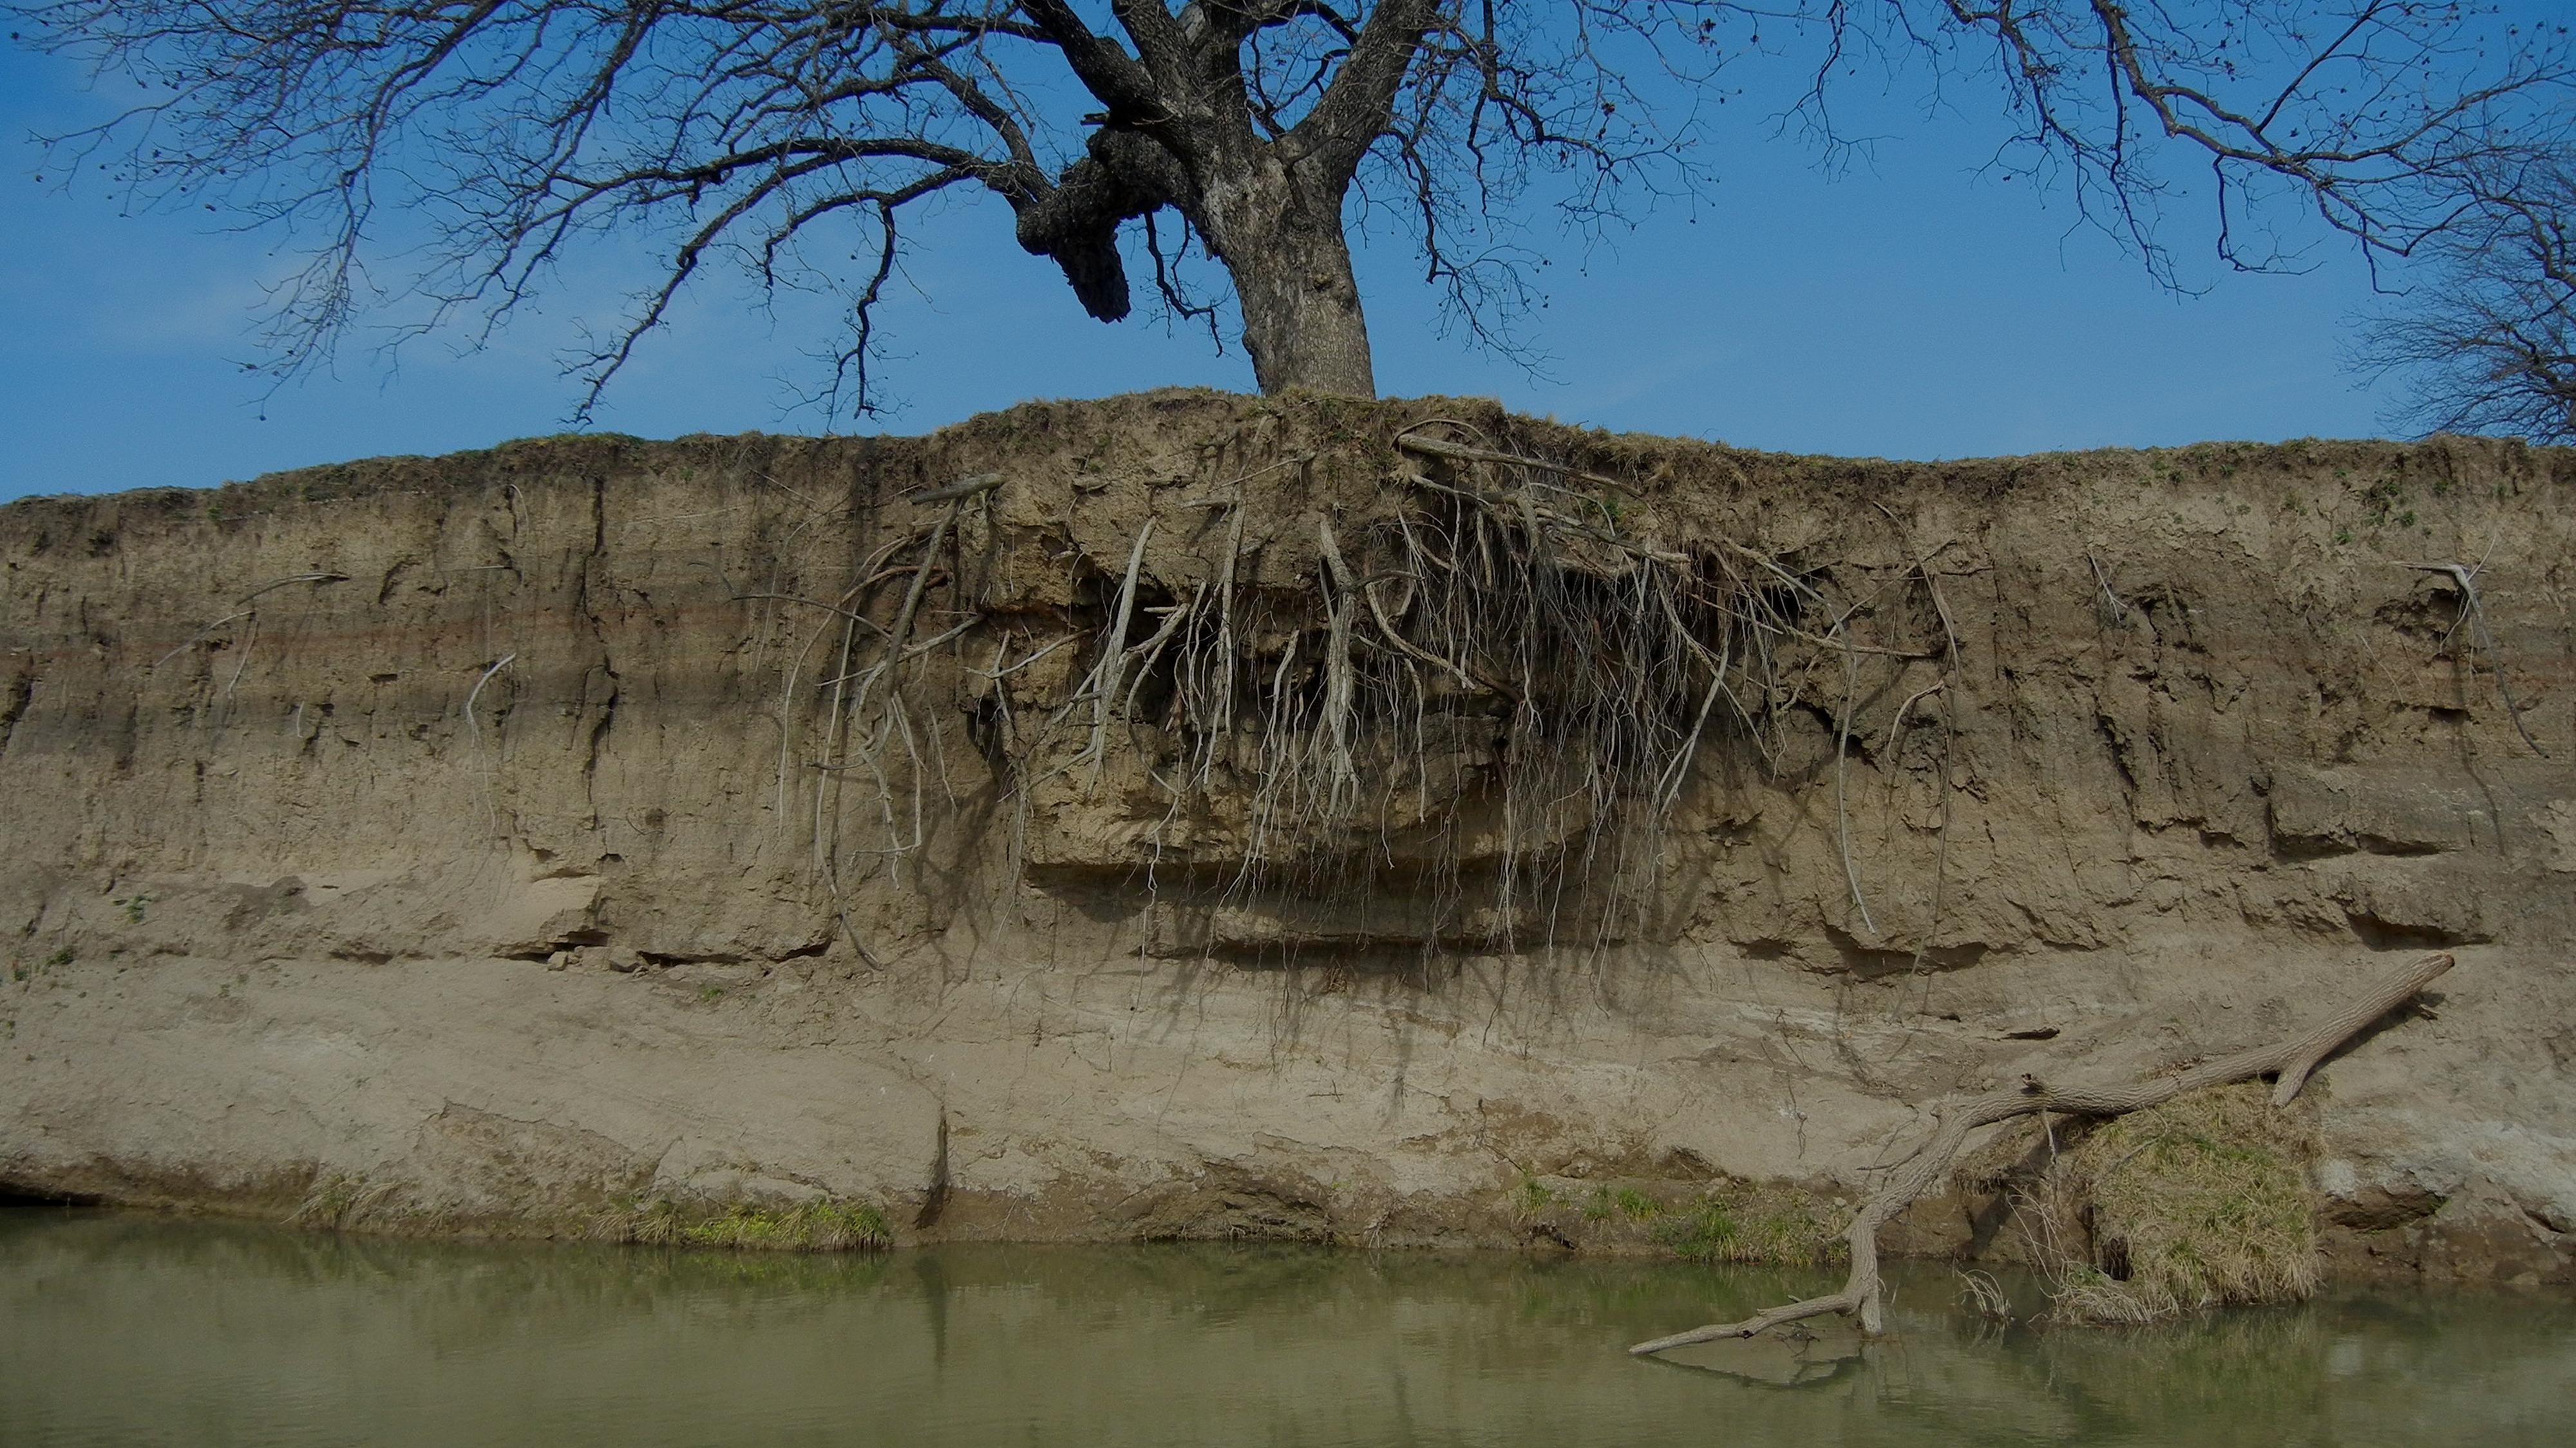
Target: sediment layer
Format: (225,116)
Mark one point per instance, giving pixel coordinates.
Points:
(472,844)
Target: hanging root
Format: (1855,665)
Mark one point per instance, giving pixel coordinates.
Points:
(245,611)
(471,725)
(873,728)
(2116,611)
(1488,673)
(1484,689)
(2289,1062)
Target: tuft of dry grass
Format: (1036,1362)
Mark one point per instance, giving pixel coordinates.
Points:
(342,1202)
(2202,1202)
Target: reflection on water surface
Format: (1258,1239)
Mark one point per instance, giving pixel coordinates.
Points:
(134,1330)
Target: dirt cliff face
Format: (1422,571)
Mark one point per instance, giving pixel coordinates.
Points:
(1190,815)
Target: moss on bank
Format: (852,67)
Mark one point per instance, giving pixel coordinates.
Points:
(347,1202)
(816,1226)
(1756,1224)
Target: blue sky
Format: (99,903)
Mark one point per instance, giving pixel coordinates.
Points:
(1904,307)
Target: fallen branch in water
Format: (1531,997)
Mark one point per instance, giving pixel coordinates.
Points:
(2288,1061)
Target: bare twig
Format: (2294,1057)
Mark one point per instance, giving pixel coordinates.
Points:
(241,665)
(953,631)
(1918,696)
(1985,1296)
(998,672)
(244,612)
(276,583)
(862,620)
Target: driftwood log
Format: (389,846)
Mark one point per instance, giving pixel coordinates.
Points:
(2289,1062)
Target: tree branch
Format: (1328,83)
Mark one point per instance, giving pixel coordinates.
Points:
(1360,101)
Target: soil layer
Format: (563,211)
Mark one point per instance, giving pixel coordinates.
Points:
(497,843)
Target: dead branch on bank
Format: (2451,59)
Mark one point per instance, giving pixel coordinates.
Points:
(2289,1062)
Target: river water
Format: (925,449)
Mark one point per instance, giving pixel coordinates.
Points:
(136,1330)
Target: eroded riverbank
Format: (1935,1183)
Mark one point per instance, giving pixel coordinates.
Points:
(1387,825)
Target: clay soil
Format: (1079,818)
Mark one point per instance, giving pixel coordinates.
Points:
(501,843)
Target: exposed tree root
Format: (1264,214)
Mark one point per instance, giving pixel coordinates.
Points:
(2289,1062)
(1493,667)
(1458,705)
(471,725)
(2116,611)
(245,611)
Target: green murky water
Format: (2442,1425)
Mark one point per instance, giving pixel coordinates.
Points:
(131,1330)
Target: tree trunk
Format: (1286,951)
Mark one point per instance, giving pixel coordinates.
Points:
(1301,316)
(1291,269)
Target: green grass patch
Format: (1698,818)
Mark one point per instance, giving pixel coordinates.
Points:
(1605,1203)
(818,1226)
(1778,1228)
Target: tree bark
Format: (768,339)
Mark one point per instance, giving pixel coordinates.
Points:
(1302,323)
(1282,245)
(2289,1062)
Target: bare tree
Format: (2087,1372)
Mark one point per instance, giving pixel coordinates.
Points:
(1122,133)
(2487,341)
